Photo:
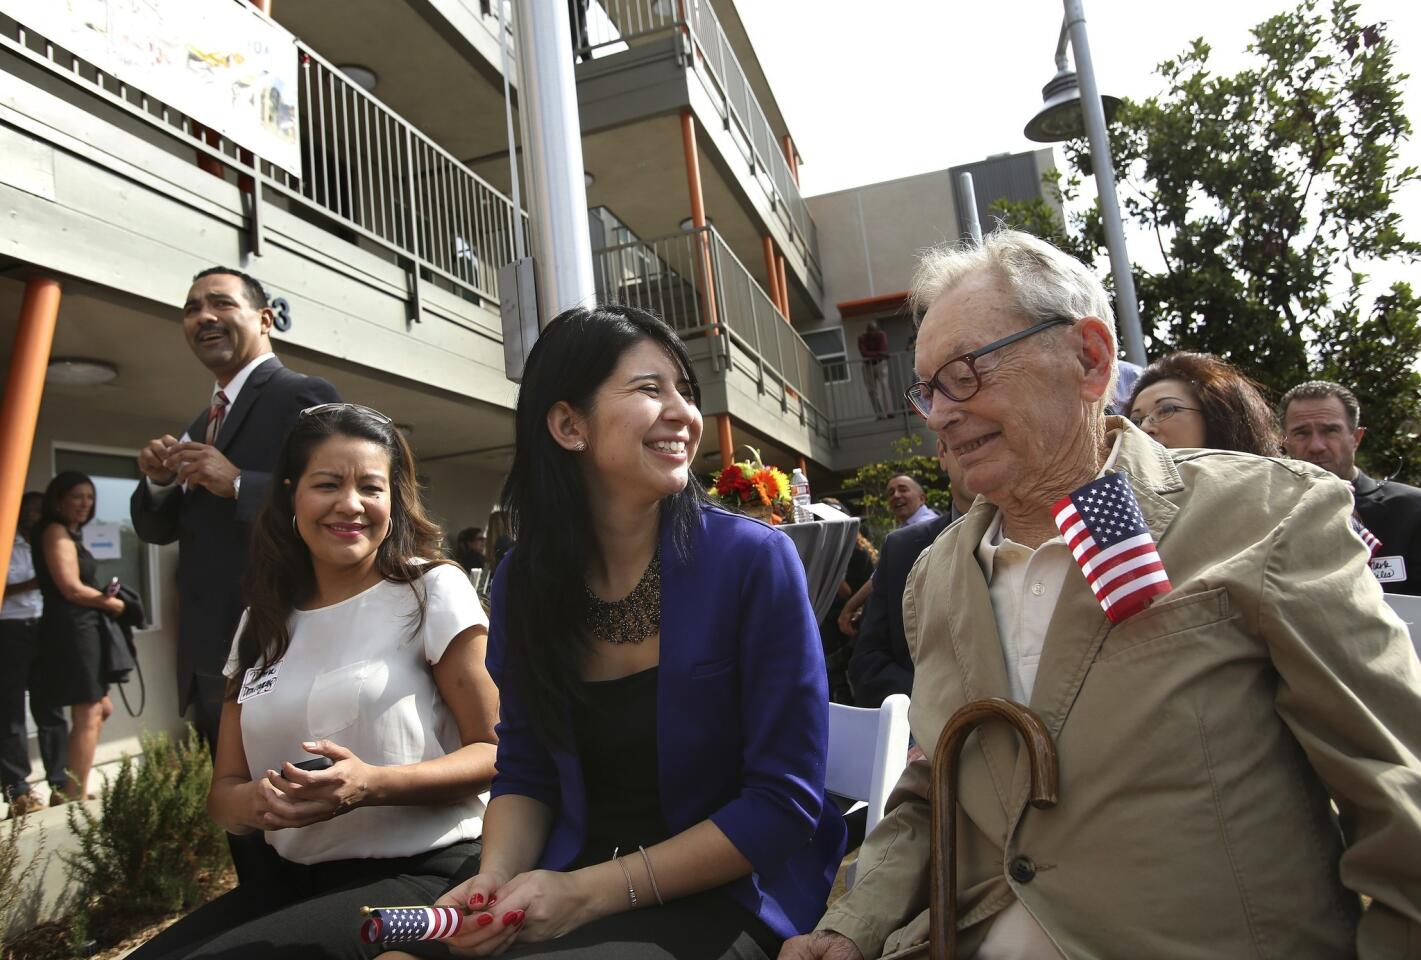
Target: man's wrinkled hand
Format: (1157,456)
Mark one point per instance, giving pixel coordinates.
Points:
(820,945)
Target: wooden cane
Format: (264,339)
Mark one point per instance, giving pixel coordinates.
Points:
(942,797)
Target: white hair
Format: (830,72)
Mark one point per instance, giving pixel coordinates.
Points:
(1045,282)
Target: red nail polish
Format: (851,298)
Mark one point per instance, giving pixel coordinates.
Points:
(484,919)
(476,900)
(519,921)
(512,917)
(492,899)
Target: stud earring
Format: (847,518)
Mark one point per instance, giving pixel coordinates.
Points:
(580,446)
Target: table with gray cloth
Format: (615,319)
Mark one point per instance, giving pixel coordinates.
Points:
(825,547)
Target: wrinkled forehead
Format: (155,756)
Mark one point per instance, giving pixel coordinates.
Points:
(1317,412)
(225,284)
(975,311)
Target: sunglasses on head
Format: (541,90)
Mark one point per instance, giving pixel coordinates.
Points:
(322,408)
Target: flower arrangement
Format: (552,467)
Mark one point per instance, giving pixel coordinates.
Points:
(754,488)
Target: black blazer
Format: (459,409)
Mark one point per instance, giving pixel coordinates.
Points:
(1392,511)
(880,664)
(212,531)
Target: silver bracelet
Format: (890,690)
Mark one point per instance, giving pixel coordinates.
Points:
(631,890)
(651,874)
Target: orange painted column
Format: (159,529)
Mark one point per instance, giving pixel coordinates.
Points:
(727,444)
(788,144)
(698,213)
(19,410)
(773,272)
(784,289)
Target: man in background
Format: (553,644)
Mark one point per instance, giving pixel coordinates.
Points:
(909,505)
(873,348)
(204,489)
(881,664)
(1322,425)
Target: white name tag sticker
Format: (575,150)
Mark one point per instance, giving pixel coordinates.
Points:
(1389,569)
(257,681)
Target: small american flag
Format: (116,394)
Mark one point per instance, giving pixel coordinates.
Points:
(1369,538)
(404,924)
(1106,533)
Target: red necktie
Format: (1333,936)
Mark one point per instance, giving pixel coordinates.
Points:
(215,416)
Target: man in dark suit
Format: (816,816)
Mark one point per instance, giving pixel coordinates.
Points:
(1322,425)
(205,488)
(880,664)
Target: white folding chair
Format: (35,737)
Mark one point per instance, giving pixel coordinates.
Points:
(1409,610)
(868,750)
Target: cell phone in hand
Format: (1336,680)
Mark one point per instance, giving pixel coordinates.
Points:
(315,763)
(112,589)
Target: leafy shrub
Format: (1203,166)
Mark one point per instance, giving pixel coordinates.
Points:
(14,877)
(152,848)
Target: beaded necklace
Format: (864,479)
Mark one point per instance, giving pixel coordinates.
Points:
(634,617)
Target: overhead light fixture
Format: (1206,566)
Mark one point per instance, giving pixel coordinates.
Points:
(588,179)
(1060,117)
(689,224)
(362,77)
(79,372)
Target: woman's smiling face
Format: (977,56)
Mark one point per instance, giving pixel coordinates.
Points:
(644,427)
(342,501)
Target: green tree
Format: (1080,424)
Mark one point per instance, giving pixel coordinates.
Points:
(1266,194)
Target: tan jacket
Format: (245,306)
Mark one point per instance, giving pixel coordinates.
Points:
(1199,741)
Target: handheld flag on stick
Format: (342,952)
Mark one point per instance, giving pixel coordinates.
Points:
(406,924)
(1107,535)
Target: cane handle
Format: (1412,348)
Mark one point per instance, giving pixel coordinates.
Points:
(942,795)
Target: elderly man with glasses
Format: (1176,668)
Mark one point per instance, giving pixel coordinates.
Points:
(1197,629)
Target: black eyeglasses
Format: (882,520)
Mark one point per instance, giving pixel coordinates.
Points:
(321,408)
(1161,413)
(958,379)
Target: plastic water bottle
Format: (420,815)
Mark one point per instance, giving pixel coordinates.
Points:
(799,493)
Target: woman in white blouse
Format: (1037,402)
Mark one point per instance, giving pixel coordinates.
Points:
(362,651)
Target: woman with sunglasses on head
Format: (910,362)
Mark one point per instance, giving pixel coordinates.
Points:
(358,729)
(1199,400)
(664,716)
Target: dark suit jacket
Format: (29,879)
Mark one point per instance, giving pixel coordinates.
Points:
(880,664)
(212,531)
(1392,511)
(742,716)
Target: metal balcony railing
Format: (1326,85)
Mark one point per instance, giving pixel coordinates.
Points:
(626,21)
(368,173)
(850,388)
(697,284)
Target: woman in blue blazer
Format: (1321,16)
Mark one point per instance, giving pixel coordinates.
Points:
(660,788)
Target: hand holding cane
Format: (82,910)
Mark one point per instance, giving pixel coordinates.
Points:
(942,796)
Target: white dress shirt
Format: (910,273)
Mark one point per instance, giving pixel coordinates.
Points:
(921,515)
(1024,586)
(29,604)
(233,388)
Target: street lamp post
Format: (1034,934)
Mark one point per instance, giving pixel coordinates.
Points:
(1068,110)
